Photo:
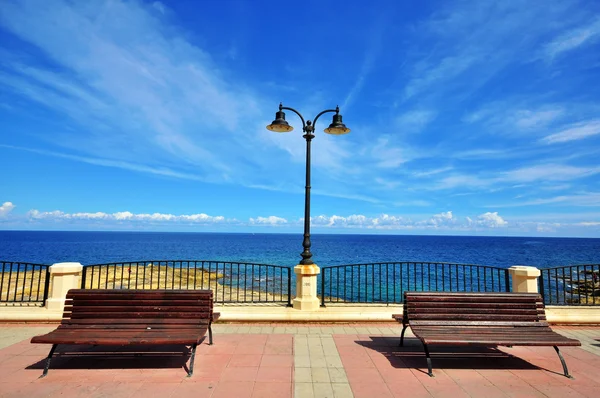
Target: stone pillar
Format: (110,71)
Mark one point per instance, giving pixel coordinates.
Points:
(524,279)
(63,276)
(306,287)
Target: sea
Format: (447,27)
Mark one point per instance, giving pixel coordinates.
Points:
(48,247)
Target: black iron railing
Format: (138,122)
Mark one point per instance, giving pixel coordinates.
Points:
(571,285)
(231,282)
(24,282)
(387,282)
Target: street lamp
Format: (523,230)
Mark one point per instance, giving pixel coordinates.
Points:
(337,127)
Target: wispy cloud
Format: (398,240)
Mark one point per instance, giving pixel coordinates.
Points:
(573,39)
(415,120)
(574,132)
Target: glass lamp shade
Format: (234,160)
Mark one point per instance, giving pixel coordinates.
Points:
(337,127)
(279,125)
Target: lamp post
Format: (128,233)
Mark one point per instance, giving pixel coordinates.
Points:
(306,298)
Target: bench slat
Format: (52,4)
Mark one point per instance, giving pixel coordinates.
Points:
(470,299)
(474,317)
(531,324)
(497,305)
(141,315)
(451,310)
(139,302)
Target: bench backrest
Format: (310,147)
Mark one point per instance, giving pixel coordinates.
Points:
(474,309)
(161,309)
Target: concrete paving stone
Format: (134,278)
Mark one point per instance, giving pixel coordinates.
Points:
(320,375)
(333,361)
(302,361)
(337,375)
(303,375)
(330,350)
(318,361)
(342,390)
(303,390)
(322,390)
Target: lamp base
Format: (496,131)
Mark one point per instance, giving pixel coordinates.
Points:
(306,287)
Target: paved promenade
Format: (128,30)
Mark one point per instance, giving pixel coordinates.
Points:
(284,360)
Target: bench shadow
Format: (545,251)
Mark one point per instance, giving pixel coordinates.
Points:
(412,356)
(118,357)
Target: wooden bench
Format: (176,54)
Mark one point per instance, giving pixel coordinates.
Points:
(133,317)
(484,319)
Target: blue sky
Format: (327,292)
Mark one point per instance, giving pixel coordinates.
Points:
(467,117)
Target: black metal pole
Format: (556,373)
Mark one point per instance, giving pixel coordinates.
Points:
(308,128)
(306,254)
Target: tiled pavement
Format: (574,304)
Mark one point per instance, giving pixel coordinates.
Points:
(283,360)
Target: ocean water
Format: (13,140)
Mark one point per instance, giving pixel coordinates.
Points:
(45,247)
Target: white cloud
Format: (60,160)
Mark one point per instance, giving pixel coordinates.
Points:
(572,39)
(6,208)
(126,216)
(271,220)
(444,219)
(415,121)
(548,172)
(121,74)
(491,220)
(574,132)
(386,154)
(528,119)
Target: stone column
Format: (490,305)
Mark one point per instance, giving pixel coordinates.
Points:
(524,279)
(63,276)
(306,287)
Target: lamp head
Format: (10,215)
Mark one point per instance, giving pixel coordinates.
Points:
(280,125)
(337,127)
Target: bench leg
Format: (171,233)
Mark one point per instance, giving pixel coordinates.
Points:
(564,364)
(402,336)
(48,360)
(429,369)
(192,357)
(210,342)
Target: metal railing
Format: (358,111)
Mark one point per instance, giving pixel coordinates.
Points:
(386,282)
(24,282)
(571,285)
(231,282)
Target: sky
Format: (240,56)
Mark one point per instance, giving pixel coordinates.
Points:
(467,117)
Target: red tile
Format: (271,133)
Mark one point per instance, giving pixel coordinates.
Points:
(239,374)
(272,390)
(370,390)
(412,390)
(278,350)
(195,390)
(249,349)
(242,360)
(148,389)
(233,389)
(363,375)
(285,361)
(269,374)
